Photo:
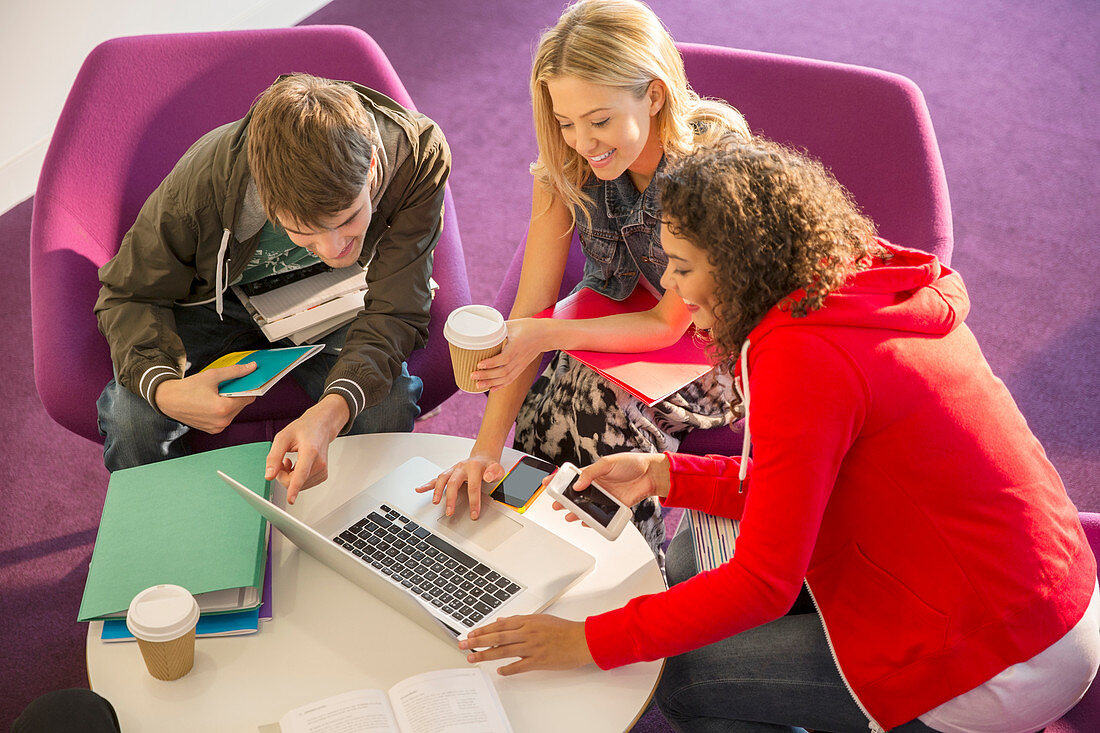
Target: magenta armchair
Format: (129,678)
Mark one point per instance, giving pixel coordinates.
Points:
(137,104)
(1085,717)
(870,127)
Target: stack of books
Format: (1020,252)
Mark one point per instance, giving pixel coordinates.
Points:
(176,522)
(229,623)
(307,304)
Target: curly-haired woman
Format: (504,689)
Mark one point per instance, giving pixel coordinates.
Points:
(953,584)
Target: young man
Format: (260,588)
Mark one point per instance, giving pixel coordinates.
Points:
(318,171)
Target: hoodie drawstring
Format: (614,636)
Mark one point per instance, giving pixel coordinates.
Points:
(742,385)
(219,278)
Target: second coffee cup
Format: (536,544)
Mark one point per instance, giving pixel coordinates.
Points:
(473,332)
(162,619)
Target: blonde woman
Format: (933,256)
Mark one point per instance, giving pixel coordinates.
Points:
(611,103)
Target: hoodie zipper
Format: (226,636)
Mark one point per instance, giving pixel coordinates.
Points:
(741,384)
(221,275)
(872,724)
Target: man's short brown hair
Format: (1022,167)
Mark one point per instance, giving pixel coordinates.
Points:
(310,143)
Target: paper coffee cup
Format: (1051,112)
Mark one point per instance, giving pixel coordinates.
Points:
(162,619)
(474,332)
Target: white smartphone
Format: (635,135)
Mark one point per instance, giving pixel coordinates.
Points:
(598,509)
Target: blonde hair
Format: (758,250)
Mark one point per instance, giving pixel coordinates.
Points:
(623,44)
(310,143)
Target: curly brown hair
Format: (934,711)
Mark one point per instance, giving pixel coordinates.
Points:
(777,228)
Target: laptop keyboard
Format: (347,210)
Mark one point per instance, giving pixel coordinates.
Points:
(428,565)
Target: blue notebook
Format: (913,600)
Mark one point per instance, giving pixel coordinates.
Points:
(219,624)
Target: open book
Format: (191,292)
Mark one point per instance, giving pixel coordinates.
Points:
(650,376)
(445,701)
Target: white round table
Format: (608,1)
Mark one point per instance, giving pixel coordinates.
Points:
(329,636)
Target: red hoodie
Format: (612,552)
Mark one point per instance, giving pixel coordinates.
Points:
(894,473)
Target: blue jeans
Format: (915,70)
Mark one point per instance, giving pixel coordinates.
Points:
(772,678)
(135,434)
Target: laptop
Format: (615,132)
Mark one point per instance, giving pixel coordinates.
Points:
(449,574)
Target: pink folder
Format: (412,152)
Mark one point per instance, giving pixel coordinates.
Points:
(651,375)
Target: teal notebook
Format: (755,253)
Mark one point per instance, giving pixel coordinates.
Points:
(177,522)
(271,366)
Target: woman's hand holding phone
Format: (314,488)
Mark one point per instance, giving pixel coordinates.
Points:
(629,477)
(597,508)
(601,495)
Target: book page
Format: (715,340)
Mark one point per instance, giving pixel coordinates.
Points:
(349,304)
(359,711)
(449,701)
(303,294)
(324,328)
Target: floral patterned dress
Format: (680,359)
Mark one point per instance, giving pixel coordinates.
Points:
(572,413)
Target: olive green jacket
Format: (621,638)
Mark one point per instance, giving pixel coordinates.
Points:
(203,217)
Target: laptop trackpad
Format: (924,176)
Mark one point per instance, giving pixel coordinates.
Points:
(487,532)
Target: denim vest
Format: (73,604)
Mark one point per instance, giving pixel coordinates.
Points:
(622,242)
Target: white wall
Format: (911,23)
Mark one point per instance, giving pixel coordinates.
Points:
(43,43)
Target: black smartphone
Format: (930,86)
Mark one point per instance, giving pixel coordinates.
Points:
(522,483)
(594,502)
(598,509)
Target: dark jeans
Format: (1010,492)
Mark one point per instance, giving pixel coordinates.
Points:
(136,434)
(775,677)
(67,711)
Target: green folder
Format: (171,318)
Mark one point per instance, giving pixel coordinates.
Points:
(177,522)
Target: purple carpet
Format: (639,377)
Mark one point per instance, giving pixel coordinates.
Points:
(1014,97)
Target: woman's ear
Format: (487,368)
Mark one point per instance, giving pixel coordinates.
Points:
(656,95)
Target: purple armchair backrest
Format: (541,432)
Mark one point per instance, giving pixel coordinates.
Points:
(870,127)
(136,106)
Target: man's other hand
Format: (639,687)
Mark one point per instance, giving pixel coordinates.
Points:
(195,400)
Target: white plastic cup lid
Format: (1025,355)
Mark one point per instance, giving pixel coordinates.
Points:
(475,327)
(162,613)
